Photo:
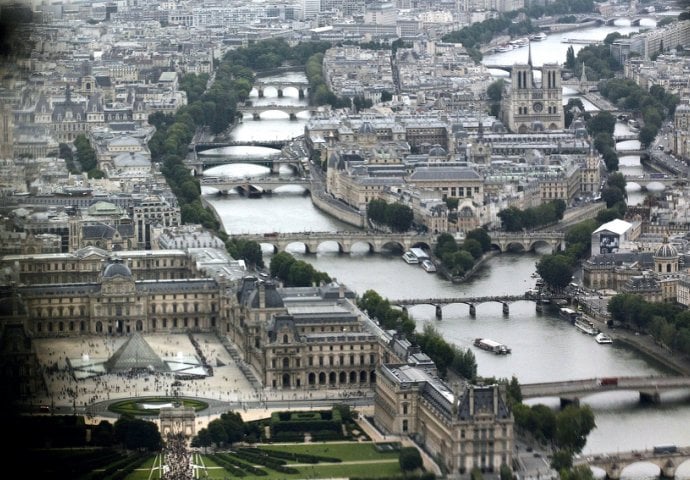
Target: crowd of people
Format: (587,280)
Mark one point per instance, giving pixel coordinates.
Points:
(177,460)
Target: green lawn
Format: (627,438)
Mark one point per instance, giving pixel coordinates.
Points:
(359,460)
(345,451)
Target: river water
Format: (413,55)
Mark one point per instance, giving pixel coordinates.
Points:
(545,348)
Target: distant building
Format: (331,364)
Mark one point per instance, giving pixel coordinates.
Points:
(528,106)
(615,236)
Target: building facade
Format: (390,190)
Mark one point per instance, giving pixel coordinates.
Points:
(531,107)
(464,428)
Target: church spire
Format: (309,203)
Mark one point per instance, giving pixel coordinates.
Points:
(529,53)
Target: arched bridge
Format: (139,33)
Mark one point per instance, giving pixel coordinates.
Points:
(203,146)
(667,461)
(265,184)
(256,110)
(471,301)
(301,87)
(377,241)
(644,180)
(528,240)
(650,388)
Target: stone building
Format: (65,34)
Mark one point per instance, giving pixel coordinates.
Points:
(462,427)
(305,337)
(118,303)
(531,107)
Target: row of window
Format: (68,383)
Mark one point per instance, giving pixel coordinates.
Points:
(326,361)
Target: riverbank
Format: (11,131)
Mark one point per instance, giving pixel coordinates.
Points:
(646,345)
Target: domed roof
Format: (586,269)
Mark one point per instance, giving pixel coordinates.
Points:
(666,250)
(498,127)
(367,128)
(117,267)
(437,151)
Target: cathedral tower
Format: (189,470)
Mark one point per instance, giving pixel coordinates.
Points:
(529,106)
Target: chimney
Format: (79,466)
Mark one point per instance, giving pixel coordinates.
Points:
(262,295)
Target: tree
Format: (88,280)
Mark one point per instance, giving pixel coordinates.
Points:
(573,424)
(513,391)
(570,58)
(386,96)
(482,236)
(399,217)
(647,135)
(473,247)
(505,472)
(580,472)
(562,460)
(555,270)
(612,195)
(217,432)
(602,122)
(617,180)
(137,434)
(410,459)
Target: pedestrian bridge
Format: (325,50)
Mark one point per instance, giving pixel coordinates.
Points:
(614,465)
(377,242)
(650,388)
(439,303)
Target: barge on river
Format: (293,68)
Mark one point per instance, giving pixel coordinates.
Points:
(491,346)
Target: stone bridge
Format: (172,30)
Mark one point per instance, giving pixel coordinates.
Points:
(273,162)
(614,465)
(377,242)
(644,180)
(650,388)
(528,240)
(203,146)
(268,185)
(301,87)
(256,110)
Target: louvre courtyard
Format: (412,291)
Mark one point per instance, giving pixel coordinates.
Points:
(83,374)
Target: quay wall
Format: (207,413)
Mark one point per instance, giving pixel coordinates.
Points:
(351,218)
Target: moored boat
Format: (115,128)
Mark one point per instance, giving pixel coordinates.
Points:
(428,266)
(603,338)
(538,37)
(586,326)
(568,313)
(410,257)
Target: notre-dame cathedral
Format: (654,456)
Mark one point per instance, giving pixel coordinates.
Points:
(528,106)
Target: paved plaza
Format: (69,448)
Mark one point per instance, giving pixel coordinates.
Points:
(227,383)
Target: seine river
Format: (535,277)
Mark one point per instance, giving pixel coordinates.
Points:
(545,348)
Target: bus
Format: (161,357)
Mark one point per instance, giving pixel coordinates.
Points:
(660,449)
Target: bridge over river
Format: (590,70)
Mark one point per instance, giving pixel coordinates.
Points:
(439,303)
(260,185)
(667,461)
(378,242)
(650,388)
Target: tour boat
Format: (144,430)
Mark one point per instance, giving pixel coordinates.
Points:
(428,266)
(491,346)
(410,257)
(504,48)
(603,338)
(538,37)
(568,313)
(586,326)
